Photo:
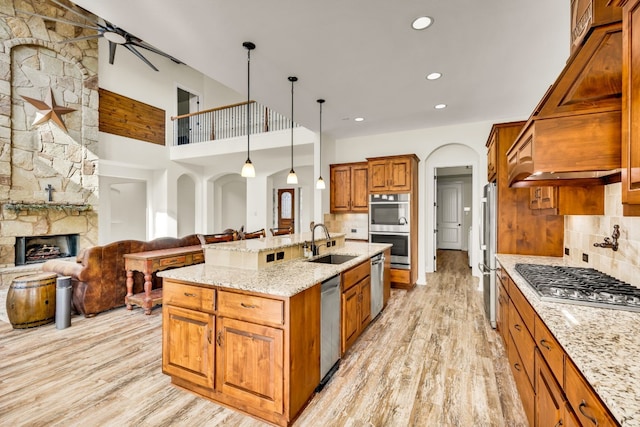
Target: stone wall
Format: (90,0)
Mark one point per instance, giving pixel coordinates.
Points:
(34,63)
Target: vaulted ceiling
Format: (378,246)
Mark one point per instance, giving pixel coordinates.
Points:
(497,57)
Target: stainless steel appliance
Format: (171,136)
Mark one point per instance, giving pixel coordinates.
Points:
(488,236)
(389,212)
(401,249)
(580,285)
(329,329)
(377,280)
(389,219)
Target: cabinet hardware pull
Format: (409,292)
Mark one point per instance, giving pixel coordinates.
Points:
(518,327)
(517,366)
(558,424)
(248,305)
(219,339)
(543,343)
(582,405)
(209,335)
(188,294)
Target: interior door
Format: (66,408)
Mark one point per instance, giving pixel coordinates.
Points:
(286,208)
(450,216)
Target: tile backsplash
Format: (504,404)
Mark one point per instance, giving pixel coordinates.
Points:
(354,226)
(582,231)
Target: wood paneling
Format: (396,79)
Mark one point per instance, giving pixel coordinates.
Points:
(520,231)
(119,115)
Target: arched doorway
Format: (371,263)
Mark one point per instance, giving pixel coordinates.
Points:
(451,156)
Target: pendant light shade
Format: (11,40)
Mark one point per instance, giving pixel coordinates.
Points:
(292,178)
(248,171)
(320,185)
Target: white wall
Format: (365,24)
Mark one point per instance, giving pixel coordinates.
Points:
(186,206)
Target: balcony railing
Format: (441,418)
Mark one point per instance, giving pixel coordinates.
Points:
(229,121)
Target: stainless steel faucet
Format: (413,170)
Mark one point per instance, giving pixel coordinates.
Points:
(314,249)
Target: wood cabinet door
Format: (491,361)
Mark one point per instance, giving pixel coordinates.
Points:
(360,188)
(377,175)
(585,403)
(631,107)
(249,363)
(543,198)
(340,191)
(547,197)
(492,158)
(350,318)
(399,174)
(187,349)
(365,302)
(550,402)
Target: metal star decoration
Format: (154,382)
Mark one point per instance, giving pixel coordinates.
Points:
(48,110)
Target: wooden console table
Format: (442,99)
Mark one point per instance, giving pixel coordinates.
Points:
(150,262)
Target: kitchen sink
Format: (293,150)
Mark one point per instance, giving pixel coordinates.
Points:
(333,259)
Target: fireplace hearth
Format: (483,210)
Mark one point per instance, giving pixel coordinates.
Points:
(35,249)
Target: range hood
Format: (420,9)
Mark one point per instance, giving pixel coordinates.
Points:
(573,137)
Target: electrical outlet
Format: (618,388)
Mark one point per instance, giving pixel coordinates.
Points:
(354,230)
(566,251)
(585,257)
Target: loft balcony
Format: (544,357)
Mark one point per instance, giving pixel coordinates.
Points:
(218,136)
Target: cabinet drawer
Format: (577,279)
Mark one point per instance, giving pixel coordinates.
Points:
(355,274)
(522,305)
(397,275)
(251,308)
(525,388)
(188,296)
(585,403)
(550,350)
(523,341)
(198,258)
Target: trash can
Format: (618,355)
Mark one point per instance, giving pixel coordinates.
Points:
(63,302)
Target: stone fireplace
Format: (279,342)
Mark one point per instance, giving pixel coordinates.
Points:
(37,249)
(48,172)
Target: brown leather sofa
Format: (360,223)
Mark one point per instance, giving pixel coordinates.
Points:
(98,276)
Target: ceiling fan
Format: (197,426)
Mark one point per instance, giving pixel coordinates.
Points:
(115,35)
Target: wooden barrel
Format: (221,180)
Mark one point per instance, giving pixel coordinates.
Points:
(31,300)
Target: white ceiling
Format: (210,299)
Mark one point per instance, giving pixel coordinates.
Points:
(497,56)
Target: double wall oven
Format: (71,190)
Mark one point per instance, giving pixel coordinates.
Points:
(389,219)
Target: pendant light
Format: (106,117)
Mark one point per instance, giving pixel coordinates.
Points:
(320,185)
(248,171)
(292,178)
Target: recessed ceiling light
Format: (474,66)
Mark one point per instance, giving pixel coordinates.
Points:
(434,76)
(359,119)
(440,106)
(422,22)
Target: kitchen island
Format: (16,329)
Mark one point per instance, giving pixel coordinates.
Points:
(249,338)
(602,343)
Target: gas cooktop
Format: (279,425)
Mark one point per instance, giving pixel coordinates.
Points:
(579,285)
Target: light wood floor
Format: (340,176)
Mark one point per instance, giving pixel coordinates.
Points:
(430,359)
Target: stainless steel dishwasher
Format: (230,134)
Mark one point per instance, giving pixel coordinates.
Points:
(377,280)
(329,329)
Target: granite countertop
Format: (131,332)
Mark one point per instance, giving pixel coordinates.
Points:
(284,280)
(603,343)
(272,242)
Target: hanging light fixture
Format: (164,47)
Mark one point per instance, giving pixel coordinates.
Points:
(320,185)
(292,178)
(248,171)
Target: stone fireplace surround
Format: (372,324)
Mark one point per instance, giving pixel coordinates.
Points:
(32,157)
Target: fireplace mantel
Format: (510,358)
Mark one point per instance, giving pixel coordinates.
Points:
(22,206)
